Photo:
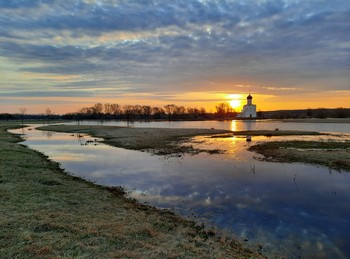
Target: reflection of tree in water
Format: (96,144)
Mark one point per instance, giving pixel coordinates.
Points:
(130,123)
(295,183)
(22,113)
(79,138)
(48,134)
(48,113)
(252,169)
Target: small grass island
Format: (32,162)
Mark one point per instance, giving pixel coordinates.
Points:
(335,155)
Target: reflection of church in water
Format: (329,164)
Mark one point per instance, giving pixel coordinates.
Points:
(249,110)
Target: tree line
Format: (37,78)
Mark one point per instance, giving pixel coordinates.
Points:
(147,112)
(110,111)
(223,111)
(320,113)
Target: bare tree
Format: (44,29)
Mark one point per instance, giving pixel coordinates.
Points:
(108,108)
(147,111)
(158,112)
(98,108)
(48,113)
(195,112)
(170,110)
(22,112)
(221,108)
(116,109)
(86,110)
(129,112)
(181,110)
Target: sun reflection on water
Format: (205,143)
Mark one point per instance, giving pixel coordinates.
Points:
(233,125)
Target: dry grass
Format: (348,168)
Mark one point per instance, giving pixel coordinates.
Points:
(46,213)
(161,141)
(332,154)
(268,133)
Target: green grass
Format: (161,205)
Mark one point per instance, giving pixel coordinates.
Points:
(46,213)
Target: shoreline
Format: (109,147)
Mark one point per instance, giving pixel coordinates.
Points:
(167,142)
(49,213)
(161,141)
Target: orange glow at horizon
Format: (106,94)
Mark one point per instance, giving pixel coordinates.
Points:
(207,100)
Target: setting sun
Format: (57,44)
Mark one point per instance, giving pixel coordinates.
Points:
(235,100)
(235,104)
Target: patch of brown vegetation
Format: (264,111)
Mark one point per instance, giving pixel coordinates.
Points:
(160,141)
(332,154)
(268,133)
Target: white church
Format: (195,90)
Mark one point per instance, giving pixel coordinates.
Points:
(249,110)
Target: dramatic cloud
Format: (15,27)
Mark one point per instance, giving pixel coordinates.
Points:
(278,47)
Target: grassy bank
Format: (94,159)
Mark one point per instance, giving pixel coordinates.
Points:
(46,213)
(332,154)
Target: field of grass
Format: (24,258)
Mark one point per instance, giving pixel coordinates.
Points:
(335,155)
(46,213)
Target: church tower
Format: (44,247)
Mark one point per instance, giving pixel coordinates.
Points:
(249,110)
(249,100)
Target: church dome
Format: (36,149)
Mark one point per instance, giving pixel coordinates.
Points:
(249,97)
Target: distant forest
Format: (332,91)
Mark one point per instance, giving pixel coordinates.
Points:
(171,112)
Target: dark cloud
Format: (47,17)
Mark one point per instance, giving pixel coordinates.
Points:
(180,41)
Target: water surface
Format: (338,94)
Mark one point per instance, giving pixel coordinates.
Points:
(293,209)
(232,125)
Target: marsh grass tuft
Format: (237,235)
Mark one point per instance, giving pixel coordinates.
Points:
(117,190)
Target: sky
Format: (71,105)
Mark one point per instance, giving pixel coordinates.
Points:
(69,54)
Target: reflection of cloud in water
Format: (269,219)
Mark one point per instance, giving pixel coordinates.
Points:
(159,199)
(69,158)
(98,174)
(262,205)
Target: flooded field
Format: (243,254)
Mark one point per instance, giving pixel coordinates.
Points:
(292,209)
(234,125)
